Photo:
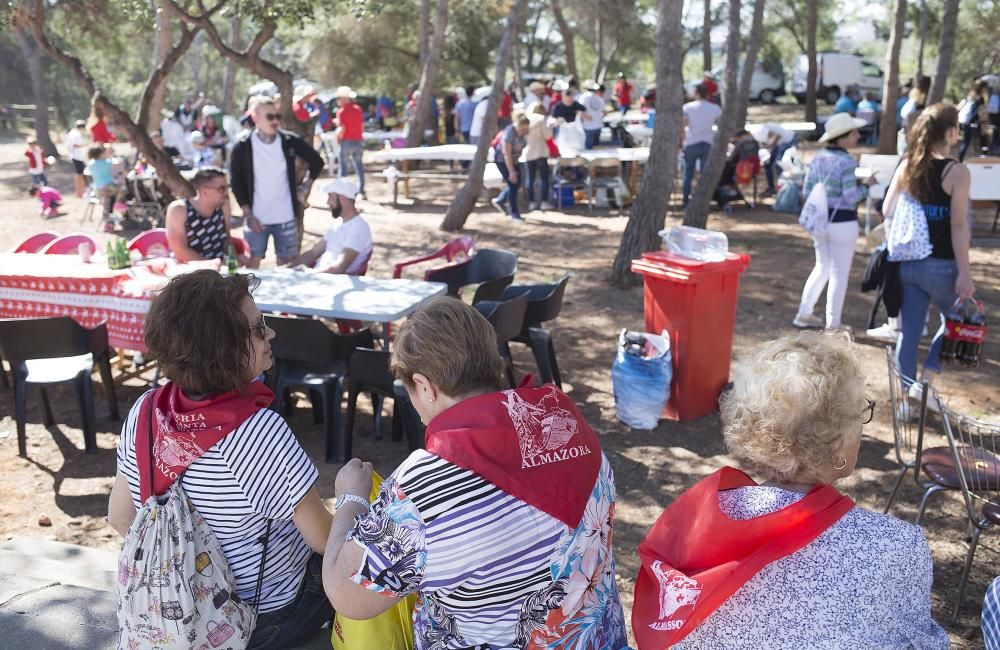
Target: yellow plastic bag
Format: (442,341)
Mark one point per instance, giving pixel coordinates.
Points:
(390,630)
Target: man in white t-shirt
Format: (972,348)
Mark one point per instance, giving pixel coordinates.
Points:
(593,119)
(76,143)
(699,118)
(347,246)
(478,117)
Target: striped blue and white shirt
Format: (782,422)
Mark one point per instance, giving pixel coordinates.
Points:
(257,472)
(491,570)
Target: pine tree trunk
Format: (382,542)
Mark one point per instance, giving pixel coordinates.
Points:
(229,83)
(649,209)
(465,200)
(922,36)
(34,60)
(811,22)
(423,118)
(701,196)
(567,37)
(424,34)
(752,48)
(890,86)
(706,36)
(946,49)
(162,44)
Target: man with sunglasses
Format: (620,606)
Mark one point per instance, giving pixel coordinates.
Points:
(262,173)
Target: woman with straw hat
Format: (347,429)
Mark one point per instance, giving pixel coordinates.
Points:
(834,244)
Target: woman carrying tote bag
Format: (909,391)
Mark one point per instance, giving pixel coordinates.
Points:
(835,238)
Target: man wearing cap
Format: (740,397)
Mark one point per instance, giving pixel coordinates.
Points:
(593,118)
(347,246)
(535,93)
(78,154)
(262,175)
(351,122)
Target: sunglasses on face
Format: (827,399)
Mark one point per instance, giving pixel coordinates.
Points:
(218,188)
(272,117)
(260,329)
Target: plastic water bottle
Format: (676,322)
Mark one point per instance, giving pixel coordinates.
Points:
(704,245)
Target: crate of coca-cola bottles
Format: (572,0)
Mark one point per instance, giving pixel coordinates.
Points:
(965,333)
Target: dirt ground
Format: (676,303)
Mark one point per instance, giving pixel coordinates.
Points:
(61,483)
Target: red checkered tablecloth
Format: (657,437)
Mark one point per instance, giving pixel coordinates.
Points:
(40,286)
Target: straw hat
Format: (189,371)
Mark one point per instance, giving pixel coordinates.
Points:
(345,91)
(302,92)
(560,85)
(343,187)
(536,87)
(840,124)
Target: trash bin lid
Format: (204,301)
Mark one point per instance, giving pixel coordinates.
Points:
(667,265)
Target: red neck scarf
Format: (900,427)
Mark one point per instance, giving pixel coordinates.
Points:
(184,429)
(531,443)
(695,557)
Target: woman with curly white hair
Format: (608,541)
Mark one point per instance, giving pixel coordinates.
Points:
(789,561)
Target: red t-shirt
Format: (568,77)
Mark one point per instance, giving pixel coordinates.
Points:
(352,121)
(100,134)
(506,105)
(623,91)
(710,87)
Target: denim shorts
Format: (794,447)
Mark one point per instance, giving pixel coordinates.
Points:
(286,239)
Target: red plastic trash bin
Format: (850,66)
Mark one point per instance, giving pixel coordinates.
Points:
(696,303)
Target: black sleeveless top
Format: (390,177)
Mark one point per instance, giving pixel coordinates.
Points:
(206,235)
(938,212)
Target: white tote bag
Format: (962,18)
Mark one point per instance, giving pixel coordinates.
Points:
(907,236)
(815,214)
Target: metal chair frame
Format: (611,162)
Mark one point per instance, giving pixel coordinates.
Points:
(978,442)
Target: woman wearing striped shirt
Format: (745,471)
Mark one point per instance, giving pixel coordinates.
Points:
(238,462)
(502,525)
(834,167)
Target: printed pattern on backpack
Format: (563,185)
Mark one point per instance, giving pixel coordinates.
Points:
(175,588)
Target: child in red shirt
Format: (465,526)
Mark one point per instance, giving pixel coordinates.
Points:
(37,162)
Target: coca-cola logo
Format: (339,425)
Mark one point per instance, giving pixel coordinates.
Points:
(967,333)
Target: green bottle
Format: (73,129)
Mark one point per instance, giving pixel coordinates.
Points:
(126,261)
(109,253)
(231,259)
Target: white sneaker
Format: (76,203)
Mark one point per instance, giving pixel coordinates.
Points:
(805,321)
(547,206)
(914,394)
(884,333)
(905,413)
(532,206)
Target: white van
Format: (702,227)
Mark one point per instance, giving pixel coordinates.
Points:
(834,73)
(764,86)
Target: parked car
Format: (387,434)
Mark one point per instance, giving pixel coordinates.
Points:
(766,84)
(836,71)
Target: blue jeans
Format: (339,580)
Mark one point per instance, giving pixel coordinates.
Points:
(39,179)
(352,150)
(286,240)
(300,620)
(924,281)
(538,175)
(509,193)
(593,136)
(692,154)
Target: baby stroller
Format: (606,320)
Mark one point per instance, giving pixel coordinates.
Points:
(742,167)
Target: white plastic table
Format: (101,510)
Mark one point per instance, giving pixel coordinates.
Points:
(348,297)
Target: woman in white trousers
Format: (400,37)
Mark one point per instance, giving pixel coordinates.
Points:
(834,167)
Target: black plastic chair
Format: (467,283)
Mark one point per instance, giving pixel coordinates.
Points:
(544,304)
(369,373)
(307,353)
(55,350)
(507,318)
(492,269)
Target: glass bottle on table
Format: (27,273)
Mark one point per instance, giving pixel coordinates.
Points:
(231,263)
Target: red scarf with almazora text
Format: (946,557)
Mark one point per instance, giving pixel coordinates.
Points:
(695,557)
(184,429)
(532,443)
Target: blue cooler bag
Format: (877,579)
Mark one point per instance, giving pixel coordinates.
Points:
(641,377)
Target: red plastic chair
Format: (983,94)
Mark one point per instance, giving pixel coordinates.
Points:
(240,245)
(69,245)
(456,250)
(152,243)
(35,243)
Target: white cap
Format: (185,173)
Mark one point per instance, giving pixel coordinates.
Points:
(343,187)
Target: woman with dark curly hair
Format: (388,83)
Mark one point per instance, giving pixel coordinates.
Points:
(241,467)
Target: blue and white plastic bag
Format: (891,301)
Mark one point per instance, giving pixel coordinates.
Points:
(641,377)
